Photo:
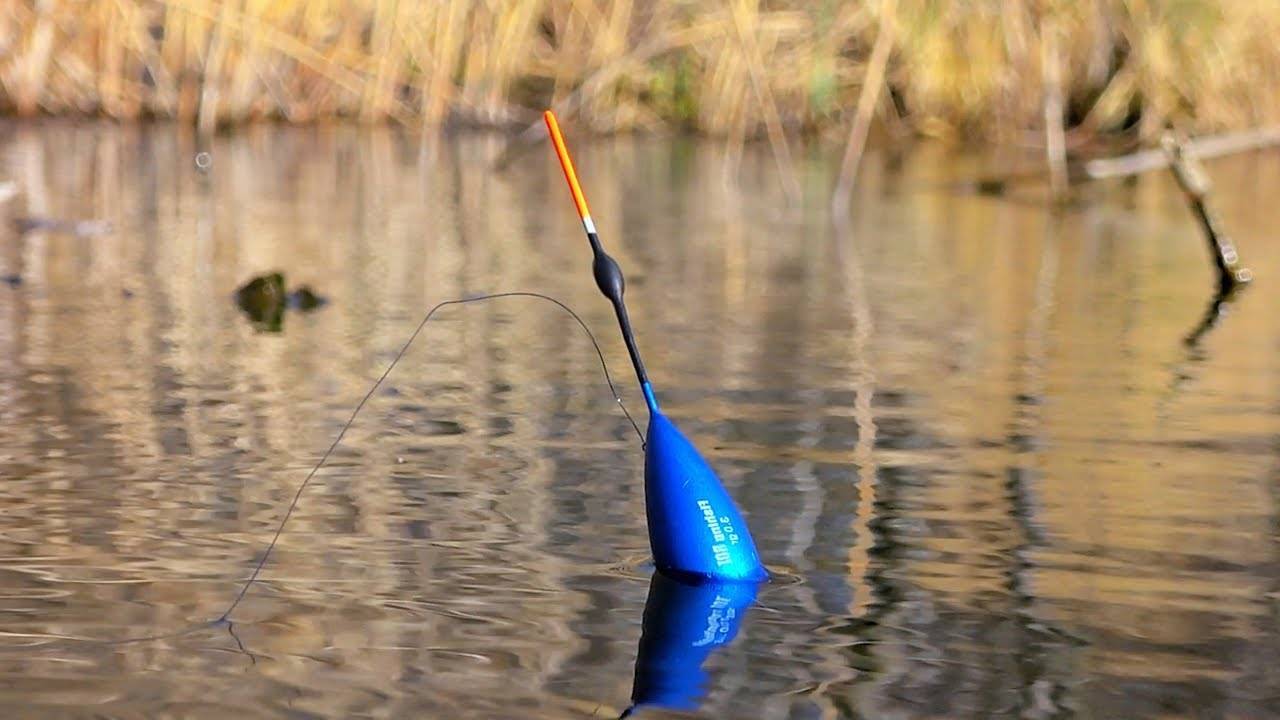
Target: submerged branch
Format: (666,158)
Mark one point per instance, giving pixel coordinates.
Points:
(1232,276)
(1195,187)
(1194,354)
(1209,146)
(1213,314)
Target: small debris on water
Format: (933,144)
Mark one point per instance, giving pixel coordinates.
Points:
(204,161)
(304,298)
(990,187)
(79,228)
(12,280)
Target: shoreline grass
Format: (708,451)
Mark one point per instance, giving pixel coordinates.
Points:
(737,68)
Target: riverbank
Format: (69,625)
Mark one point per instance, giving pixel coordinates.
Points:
(959,70)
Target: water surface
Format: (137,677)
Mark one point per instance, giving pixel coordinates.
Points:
(990,476)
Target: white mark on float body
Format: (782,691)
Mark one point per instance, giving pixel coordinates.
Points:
(721,532)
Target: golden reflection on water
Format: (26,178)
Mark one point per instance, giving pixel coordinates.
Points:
(966,431)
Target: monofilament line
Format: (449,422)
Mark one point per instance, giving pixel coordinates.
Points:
(225,617)
(257,570)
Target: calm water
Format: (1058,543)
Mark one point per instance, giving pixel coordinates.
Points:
(990,477)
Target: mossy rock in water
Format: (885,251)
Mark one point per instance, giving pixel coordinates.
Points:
(263,300)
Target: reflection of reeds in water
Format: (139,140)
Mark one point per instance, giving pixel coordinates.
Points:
(739,68)
(191,430)
(142,380)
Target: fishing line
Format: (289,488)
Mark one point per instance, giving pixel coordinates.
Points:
(359,406)
(224,619)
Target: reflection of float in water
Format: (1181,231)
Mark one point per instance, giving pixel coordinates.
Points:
(683,624)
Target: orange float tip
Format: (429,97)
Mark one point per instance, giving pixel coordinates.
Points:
(566,164)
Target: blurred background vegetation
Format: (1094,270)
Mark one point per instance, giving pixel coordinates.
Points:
(979,69)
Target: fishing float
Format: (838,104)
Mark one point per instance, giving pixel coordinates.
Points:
(696,532)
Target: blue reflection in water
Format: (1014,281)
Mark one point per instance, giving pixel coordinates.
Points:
(683,624)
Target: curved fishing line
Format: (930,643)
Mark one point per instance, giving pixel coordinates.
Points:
(360,406)
(225,617)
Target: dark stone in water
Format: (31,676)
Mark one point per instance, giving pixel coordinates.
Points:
(306,299)
(264,300)
(991,187)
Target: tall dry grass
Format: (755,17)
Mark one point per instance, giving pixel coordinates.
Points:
(732,67)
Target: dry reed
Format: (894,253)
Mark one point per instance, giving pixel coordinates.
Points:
(738,68)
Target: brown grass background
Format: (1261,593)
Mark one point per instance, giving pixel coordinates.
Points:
(973,69)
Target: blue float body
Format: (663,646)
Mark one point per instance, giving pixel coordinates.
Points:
(695,530)
(683,624)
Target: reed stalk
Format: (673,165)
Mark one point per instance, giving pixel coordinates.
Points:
(739,68)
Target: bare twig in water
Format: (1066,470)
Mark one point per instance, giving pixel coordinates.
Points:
(1231,275)
(871,88)
(1055,133)
(1195,187)
(1210,146)
(1203,148)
